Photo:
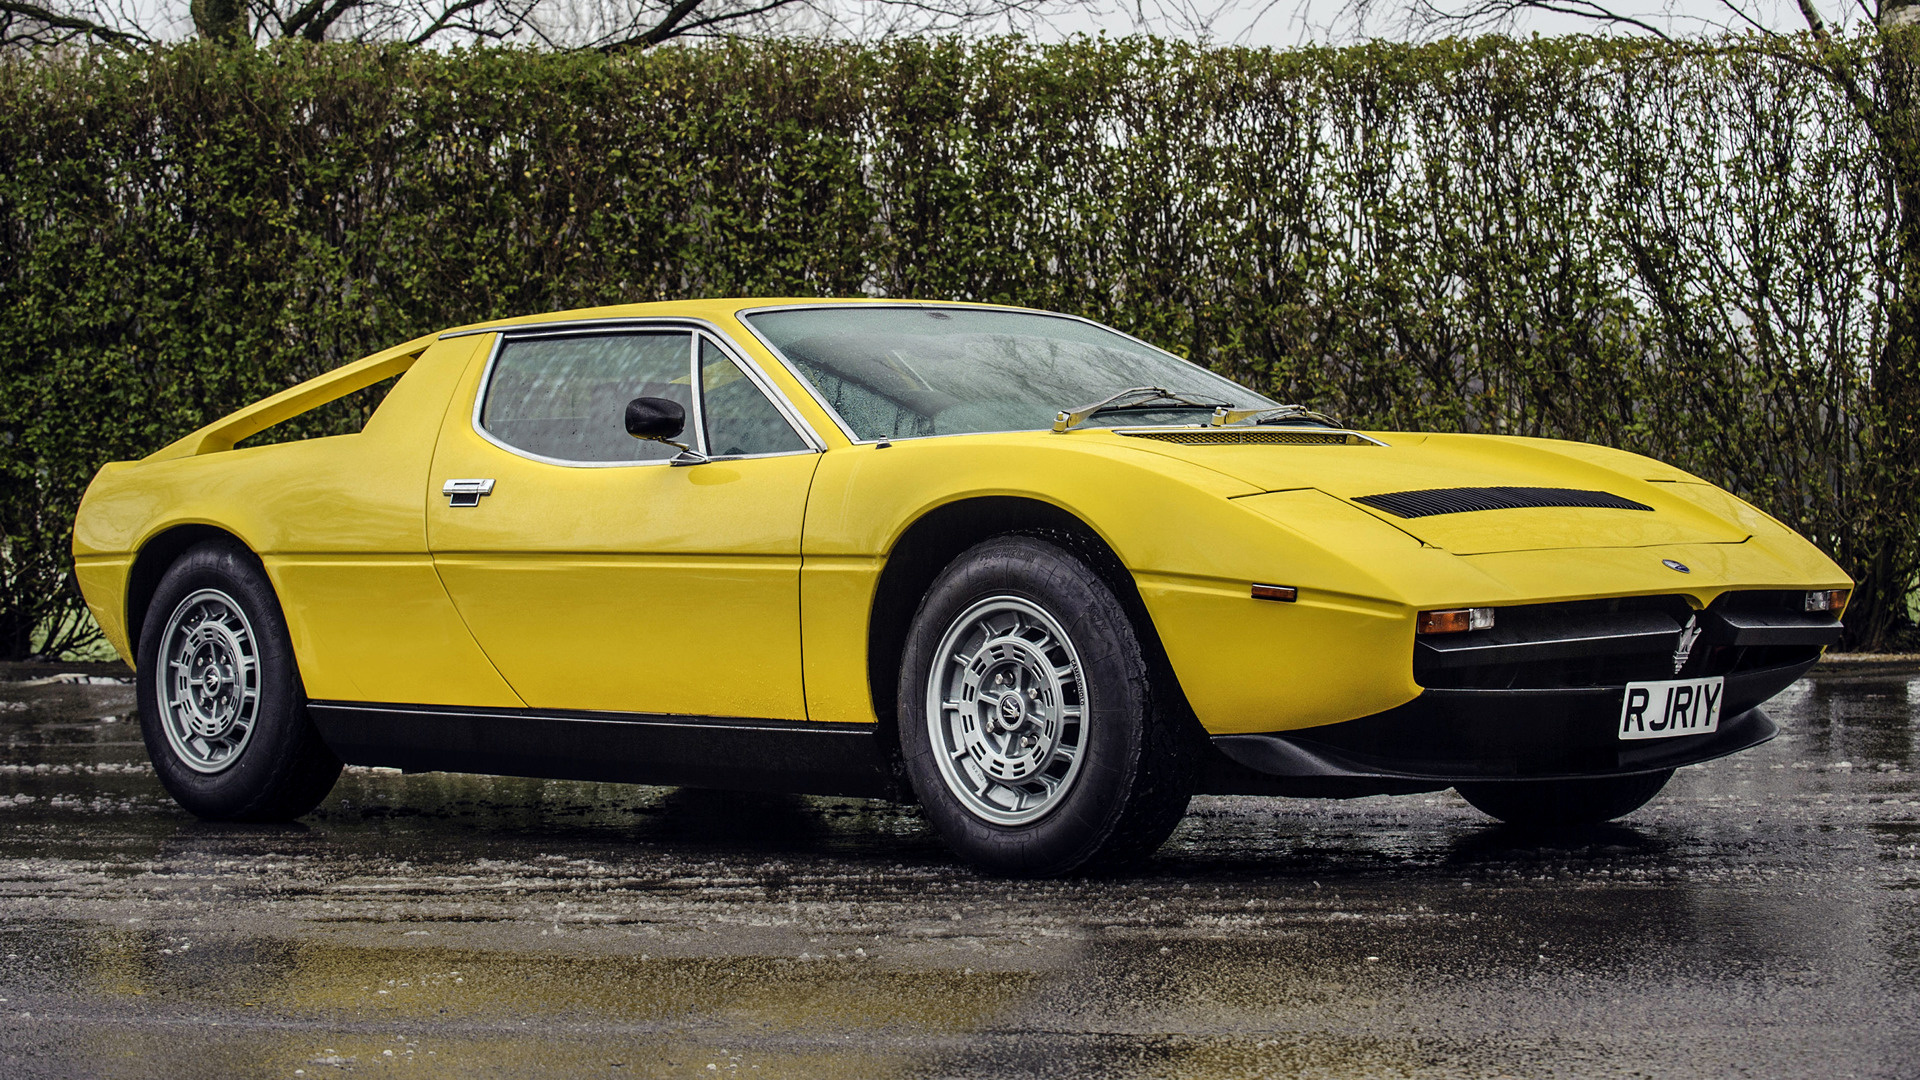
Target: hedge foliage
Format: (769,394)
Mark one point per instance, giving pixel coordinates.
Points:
(1681,250)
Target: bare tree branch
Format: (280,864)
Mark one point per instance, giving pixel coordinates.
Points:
(606,25)
(29,24)
(1814,22)
(1503,14)
(1587,9)
(1742,18)
(316,29)
(445,19)
(663,29)
(722,19)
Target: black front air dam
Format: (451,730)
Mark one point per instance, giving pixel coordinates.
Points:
(1444,737)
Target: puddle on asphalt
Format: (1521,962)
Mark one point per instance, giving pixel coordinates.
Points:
(450,1011)
(71,678)
(844,991)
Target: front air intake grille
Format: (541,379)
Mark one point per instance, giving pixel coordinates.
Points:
(1611,642)
(1271,438)
(1414,504)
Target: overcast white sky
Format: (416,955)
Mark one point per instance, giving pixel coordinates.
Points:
(1285,23)
(1276,23)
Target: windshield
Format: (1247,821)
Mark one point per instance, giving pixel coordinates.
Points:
(896,372)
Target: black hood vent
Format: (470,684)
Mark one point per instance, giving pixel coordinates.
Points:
(1414,504)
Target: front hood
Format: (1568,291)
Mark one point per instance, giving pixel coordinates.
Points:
(1412,462)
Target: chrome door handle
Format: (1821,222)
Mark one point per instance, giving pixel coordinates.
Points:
(466,492)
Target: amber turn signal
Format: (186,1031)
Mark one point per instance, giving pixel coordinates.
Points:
(1286,593)
(1456,621)
(1827,599)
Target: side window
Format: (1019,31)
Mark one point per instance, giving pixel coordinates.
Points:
(566,397)
(740,419)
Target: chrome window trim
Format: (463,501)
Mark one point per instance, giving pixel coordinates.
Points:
(486,383)
(695,329)
(760,381)
(784,407)
(698,444)
(847,429)
(610,322)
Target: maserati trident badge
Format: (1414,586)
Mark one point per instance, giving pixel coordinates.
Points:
(1689,634)
(1675,564)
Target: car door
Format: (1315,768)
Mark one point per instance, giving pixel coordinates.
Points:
(596,571)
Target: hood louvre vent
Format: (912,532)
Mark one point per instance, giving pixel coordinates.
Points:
(1415,504)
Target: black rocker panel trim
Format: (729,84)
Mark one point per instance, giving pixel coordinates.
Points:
(1416,504)
(797,756)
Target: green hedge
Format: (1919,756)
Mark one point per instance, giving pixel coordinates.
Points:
(1680,250)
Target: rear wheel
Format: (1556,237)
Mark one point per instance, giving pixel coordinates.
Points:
(1550,803)
(222,709)
(1030,725)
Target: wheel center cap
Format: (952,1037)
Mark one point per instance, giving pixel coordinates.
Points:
(1010,711)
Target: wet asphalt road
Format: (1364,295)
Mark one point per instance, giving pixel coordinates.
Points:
(1762,918)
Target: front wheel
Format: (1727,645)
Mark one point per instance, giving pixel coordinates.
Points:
(1557,803)
(222,709)
(1031,726)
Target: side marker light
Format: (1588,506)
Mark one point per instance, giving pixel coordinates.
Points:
(1455,621)
(1284,593)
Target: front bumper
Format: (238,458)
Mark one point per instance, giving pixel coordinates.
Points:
(1450,736)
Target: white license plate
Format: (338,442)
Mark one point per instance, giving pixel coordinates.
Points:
(1662,710)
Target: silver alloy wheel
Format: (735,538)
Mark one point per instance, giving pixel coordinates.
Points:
(208,681)
(1006,710)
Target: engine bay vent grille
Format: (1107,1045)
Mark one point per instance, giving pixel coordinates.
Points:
(1415,504)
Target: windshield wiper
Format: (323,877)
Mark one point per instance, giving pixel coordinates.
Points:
(1281,414)
(1134,397)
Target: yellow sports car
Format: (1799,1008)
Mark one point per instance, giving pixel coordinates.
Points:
(1043,577)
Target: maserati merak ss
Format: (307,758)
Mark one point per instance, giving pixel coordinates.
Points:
(1043,578)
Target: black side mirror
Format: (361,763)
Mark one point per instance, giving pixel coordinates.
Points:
(655,418)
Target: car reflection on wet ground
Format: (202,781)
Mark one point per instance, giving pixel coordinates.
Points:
(1761,918)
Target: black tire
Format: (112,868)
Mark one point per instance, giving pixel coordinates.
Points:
(1557,803)
(274,768)
(1136,763)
